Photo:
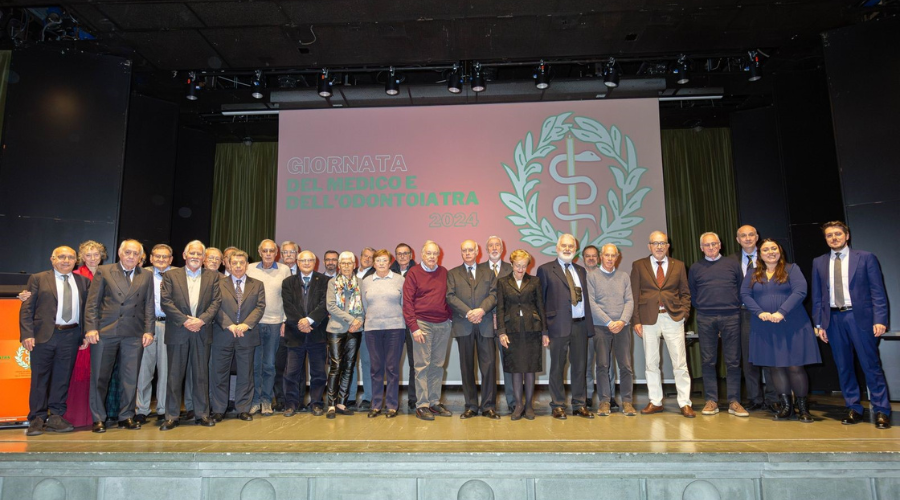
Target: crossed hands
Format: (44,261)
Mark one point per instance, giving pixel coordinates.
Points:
(775,317)
(238,330)
(475,315)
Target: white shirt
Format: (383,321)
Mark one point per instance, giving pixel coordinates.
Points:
(577,309)
(665,265)
(76,309)
(362,272)
(845,275)
(470,270)
(744,256)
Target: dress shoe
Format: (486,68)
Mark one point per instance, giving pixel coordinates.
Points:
(410,405)
(317,411)
(374,412)
(491,414)
(582,412)
(290,411)
(711,408)
(352,402)
(424,414)
(440,410)
(160,417)
(35,427)
(613,405)
(189,415)
(604,409)
(205,422)
(344,411)
(330,413)
(687,412)
(754,406)
(217,417)
(517,413)
(773,406)
(246,417)
(468,414)
(168,425)
(651,408)
(529,413)
(304,409)
(559,413)
(140,418)
(590,402)
(735,408)
(365,405)
(390,413)
(628,409)
(55,423)
(882,420)
(129,424)
(852,418)
(98,427)
(278,407)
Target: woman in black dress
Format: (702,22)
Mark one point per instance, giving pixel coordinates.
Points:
(520,321)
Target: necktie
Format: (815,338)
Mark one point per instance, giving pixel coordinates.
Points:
(305,282)
(748,264)
(240,298)
(472,272)
(838,282)
(306,293)
(128,276)
(67,300)
(496,269)
(660,276)
(571,282)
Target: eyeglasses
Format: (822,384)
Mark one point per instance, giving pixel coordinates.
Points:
(289,252)
(659,244)
(403,254)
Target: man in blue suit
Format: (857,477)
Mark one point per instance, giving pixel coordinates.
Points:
(850,312)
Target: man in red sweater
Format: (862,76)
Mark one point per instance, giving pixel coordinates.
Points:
(427,316)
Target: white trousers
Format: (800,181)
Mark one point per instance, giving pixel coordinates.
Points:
(673,333)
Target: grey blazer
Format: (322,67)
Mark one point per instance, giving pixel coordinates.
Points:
(252,308)
(465,294)
(115,307)
(339,320)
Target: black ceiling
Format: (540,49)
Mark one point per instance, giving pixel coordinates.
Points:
(229,38)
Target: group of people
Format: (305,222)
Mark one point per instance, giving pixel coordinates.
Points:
(246,338)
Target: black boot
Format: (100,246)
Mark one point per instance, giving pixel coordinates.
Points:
(787,408)
(803,410)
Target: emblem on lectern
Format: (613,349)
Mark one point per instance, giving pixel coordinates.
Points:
(584,140)
(23,358)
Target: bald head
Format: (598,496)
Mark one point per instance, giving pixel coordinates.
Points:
(469,250)
(63,259)
(747,238)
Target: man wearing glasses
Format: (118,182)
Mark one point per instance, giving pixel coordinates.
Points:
(212,259)
(663,301)
(403,263)
(271,326)
(154,357)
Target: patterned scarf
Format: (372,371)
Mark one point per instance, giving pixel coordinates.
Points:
(343,284)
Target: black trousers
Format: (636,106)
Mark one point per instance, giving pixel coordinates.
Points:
(573,347)
(342,352)
(51,369)
(128,351)
(280,364)
(411,362)
(295,375)
(193,355)
(470,347)
(221,359)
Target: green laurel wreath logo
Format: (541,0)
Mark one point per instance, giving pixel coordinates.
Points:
(616,223)
(23,358)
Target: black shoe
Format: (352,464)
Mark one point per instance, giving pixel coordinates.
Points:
(205,422)
(613,405)
(559,413)
(374,412)
(590,402)
(774,407)
(188,416)
(344,411)
(129,424)
(350,403)
(318,411)
(160,417)
(754,406)
(140,418)
(330,413)
(440,410)
(246,417)
(852,418)
(491,414)
(803,411)
(35,427)
(217,417)
(278,407)
(424,414)
(786,411)
(168,425)
(411,405)
(56,423)
(390,413)
(882,421)
(365,405)
(98,427)
(582,412)
(290,411)
(468,414)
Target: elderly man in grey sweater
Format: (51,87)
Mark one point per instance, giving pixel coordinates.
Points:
(612,305)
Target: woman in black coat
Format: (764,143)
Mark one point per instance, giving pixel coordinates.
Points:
(520,323)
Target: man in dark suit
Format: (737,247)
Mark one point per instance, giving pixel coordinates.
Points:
(662,301)
(50,329)
(190,298)
(569,325)
(304,335)
(499,269)
(472,296)
(235,337)
(850,312)
(119,322)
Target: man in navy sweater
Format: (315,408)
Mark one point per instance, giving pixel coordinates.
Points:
(715,285)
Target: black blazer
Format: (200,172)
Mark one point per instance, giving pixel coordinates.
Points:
(37,317)
(116,308)
(252,309)
(175,301)
(529,301)
(292,295)
(557,299)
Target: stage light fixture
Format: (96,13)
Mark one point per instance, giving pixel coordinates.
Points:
(542,76)
(392,85)
(323,84)
(754,67)
(682,69)
(478,84)
(454,81)
(611,73)
(193,87)
(257,84)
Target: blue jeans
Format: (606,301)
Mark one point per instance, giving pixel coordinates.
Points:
(366,365)
(264,363)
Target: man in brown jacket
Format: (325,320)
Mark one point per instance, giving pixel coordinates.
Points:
(662,302)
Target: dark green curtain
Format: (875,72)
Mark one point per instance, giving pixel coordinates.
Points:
(243,208)
(700,197)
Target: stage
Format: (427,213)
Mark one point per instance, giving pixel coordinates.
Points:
(642,457)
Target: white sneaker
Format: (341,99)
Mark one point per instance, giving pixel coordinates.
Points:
(267,409)
(254,409)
